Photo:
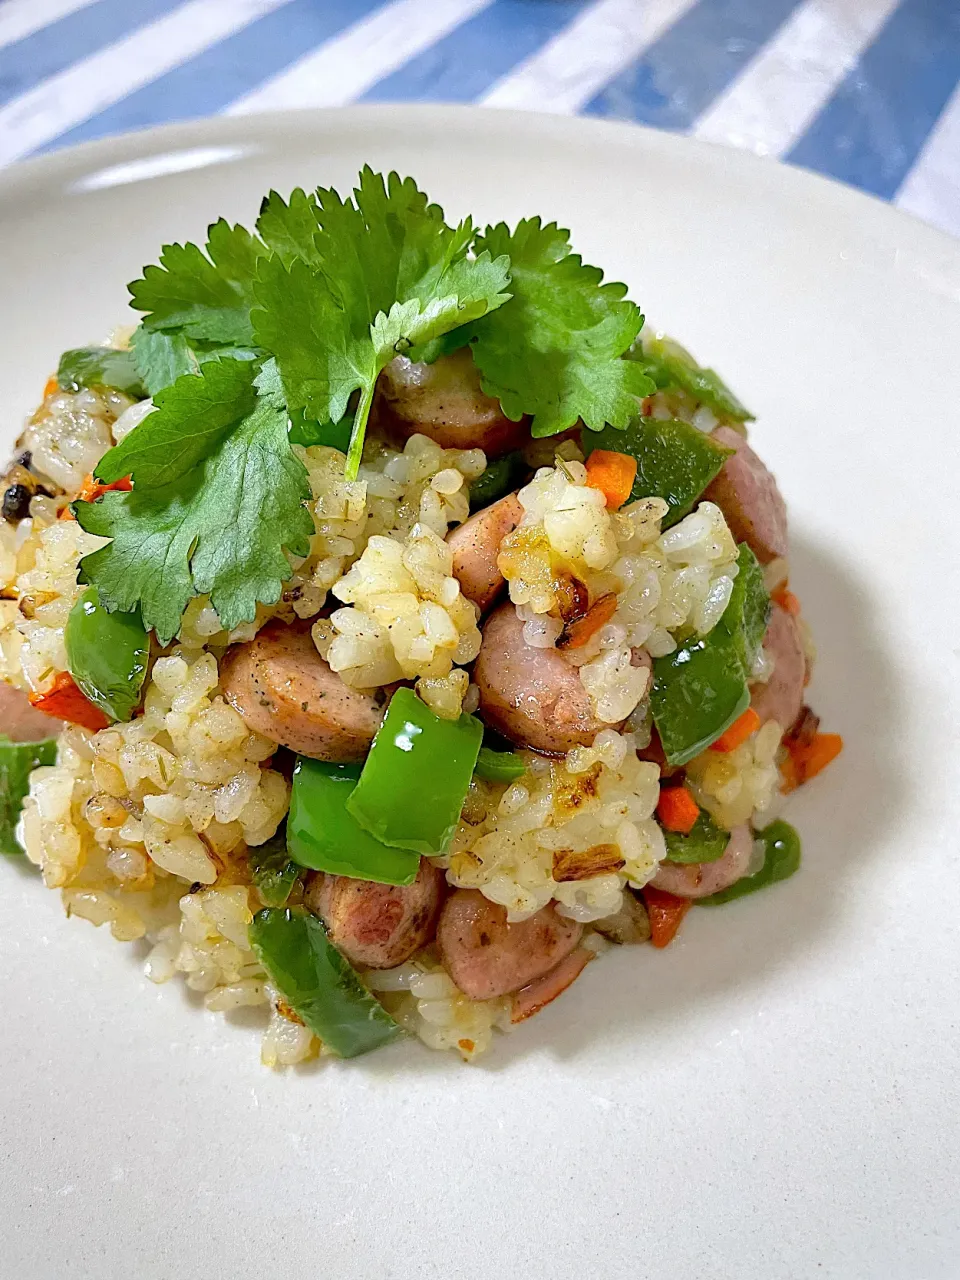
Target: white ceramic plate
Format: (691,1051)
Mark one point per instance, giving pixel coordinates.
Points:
(775,1095)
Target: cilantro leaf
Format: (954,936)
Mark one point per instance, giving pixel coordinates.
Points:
(289,229)
(389,274)
(206,297)
(216,519)
(161,358)
(555,351)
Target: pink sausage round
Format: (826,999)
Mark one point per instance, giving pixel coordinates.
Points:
(700,879)
(781,698)
(747,494)
(487,957)
(476,544)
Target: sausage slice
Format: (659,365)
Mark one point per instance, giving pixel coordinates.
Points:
(378,925)
(476,544)
(444,401)
(536,995)
(20,721)
(700,879)
(487,957)
(532,696)
(286,691)
(781,698)
(747,494)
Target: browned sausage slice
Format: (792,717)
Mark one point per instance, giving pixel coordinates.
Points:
(378,925)
(699,879)
(476,544)
(284,690)
(20,721)
(536,995)
(747,494)
(487,957)
(532,696)
(444,401)
(781,698)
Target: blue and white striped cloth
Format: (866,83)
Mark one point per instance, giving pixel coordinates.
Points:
(867,91)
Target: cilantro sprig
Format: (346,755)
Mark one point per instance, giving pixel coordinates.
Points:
(260,340)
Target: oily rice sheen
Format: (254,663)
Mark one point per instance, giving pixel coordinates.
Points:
(462,549)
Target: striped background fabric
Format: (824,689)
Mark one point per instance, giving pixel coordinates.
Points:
(866,91)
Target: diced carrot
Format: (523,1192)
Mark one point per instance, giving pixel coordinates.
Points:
(92,489)
(811,758)
(677,809)
(577,633)
(785,598)
(665,911)
(50,386)
(613,474)
(738,732)
(65,702)
(790,778)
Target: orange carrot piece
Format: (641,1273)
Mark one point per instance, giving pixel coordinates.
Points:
(92,489)
(738,732)
(813,757)
(789,775)
(785,598)
(665,911)
(50,386)
(577,633)
(65,702)
(613,474)
(677,809)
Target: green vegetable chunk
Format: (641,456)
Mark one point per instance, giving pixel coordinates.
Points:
(705,842)
(500,478)
(701,688)
(781,859)
(107,655)
(498,766)
(415,779)
(274,872)
(17,762)
(669,364)
(322,834)
(303,431)
(100,367)
(675,461)
(318,984)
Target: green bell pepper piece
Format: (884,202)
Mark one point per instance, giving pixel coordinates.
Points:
(304,432)
(107,655)
(704,842)
(318,983)
(17,762)
(669,364)
(675,461)
(416,777)
(781,859)
(274,872)
(100,367)
(498,766)
(322,834)
(500,478)
(748,611)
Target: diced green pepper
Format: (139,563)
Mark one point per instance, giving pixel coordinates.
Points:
(499,766)
(274,872)
(748,612)
(704,842)
(107,654)
(697,692)
(700,689)
(669,364)
(304,432)
(17,762)
(318,983)
(781,859)
(100,367)
(675,461)
(322,834)
(500,478)
(416,777)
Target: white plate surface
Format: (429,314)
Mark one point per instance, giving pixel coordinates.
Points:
(774,1096)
